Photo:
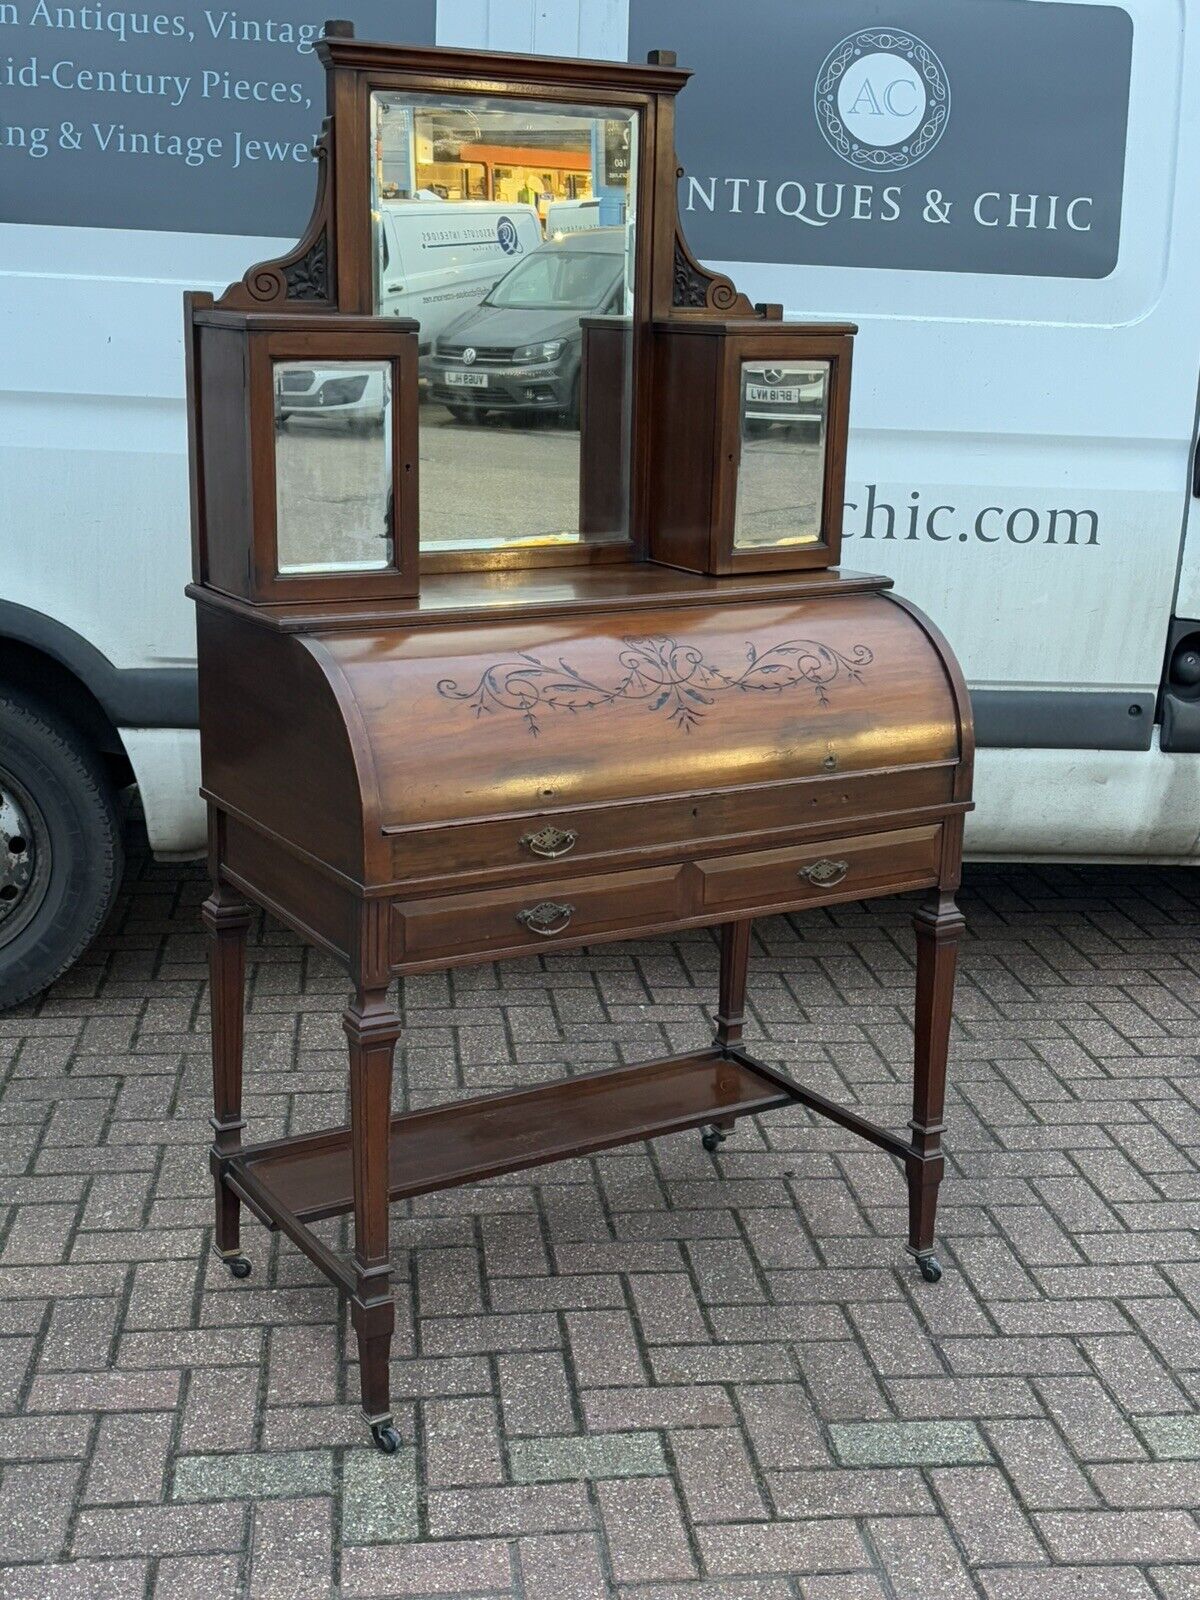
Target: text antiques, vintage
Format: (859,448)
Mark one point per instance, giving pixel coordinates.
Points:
(593,677)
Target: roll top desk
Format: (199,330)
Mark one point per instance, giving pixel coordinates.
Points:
(476,686)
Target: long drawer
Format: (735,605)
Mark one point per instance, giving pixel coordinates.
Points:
(532,915)
(573,910)
(691,824)
(870,864)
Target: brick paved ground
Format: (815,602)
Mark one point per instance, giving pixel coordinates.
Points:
(656,1374)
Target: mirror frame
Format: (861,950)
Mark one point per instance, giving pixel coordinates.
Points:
(331,269)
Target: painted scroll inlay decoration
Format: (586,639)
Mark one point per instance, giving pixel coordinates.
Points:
(675,679)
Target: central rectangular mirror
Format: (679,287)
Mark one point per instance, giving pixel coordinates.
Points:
(506,229)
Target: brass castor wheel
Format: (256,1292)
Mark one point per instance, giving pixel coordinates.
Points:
(712,1139)
(931,1268)
(385,1436)
(238,1266)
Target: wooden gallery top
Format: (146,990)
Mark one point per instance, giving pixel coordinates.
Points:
(520,628)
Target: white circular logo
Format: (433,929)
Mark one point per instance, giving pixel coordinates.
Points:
(468,355)
(882,99)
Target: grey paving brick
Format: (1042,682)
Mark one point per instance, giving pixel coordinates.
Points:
(644,1530)
(1148,1484)
(1177,1583)
(668,1311)
(1066,1583)
(781,1426)
(912,1444)
(853,1492)
(612,1455)
(130,1459)
(454,1567)
(563,1567)
(984,1515)
(535,1394)
(657,1406)
(920,1559)
(843,1586)
(166,1529)
(462,1442)
(1171,1438)
(508,1509)
(1091,1423)
(784,1547)
(292,1550)
(1134,1376)
(105,1391)
(380,1499)
(74,1580)
(35,1510)
(1045,1474)
(604,1348)
(224,1477)
(80,1335)
(1121,1536)
(716,1476)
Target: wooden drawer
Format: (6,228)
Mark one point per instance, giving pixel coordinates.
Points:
(844,869)
(536,916)
(685,825)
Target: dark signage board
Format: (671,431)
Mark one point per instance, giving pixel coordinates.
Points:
(200,119)
(616,152)
(986,138)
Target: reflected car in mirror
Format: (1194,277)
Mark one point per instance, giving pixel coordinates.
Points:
(785,394)
(330,394)
(520,349)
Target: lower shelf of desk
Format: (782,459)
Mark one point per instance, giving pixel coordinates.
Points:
(310,1176)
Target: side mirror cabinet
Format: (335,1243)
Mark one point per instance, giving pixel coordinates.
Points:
(748,467)
(305,475)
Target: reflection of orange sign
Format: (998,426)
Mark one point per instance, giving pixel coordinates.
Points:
(531,156)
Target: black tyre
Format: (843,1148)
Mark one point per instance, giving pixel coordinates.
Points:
(60,846)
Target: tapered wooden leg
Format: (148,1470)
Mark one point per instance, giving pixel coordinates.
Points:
(372,1028)
(226,917)
(731,1007)
(731,1000)
(938,924)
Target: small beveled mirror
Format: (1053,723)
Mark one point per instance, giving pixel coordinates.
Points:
(506,228)
(333,466)
(783,416)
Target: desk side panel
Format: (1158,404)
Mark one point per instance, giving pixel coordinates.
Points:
(274,746)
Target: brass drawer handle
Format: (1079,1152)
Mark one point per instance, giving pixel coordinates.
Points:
(550,841)
(824,874)
(546,918)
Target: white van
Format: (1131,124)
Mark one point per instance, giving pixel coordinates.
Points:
(438,258)
(1020,460)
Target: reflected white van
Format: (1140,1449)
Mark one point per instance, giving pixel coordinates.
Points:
(438,258)
(571,216)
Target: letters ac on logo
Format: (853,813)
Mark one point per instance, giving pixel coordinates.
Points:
(882,99)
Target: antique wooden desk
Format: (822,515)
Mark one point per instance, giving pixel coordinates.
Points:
(441,724)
